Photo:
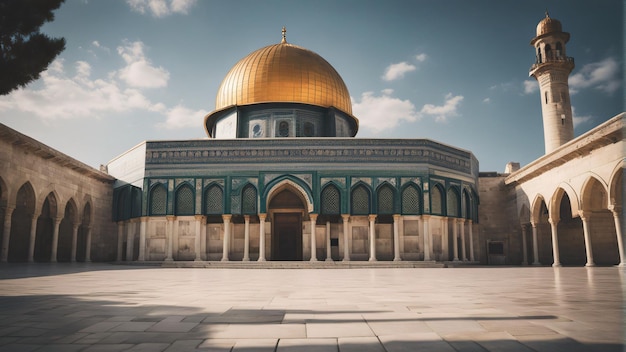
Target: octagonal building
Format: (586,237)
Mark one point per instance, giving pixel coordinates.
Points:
(282,178)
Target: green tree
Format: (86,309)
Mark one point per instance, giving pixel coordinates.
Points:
(24,51)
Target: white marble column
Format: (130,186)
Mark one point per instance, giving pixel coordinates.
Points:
(33,237)
(4,255)
(88,245)
(226,242)
(455,243)
(617,218)
(142,238)
(535,244)
(198,239)
(346,237)
(462,225)
(372,228)
(471,240)
(313,218)
(130,239)
(170,238)
(396,238)
(203,240)
(328,251)
(120,241)
(74,241)
(246,239)
(555,241)
(524,246)
(585,217)
(426,222)
(262,237)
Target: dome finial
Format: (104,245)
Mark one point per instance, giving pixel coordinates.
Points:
(547,14)
(284,40)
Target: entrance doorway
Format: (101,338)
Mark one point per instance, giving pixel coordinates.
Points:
(287,241)
(287,210)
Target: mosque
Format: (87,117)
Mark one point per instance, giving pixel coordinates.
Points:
(282,178)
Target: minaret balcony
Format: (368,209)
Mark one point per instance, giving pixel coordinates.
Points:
(568,61)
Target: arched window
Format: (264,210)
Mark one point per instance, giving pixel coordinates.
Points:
(331,200)
(158,200)
(436,200)
(360,200)
(548,52)
(385,200)
(452,202)
(214,200)
(411,200)
(248,200)
(184,200)
(539,59)
(559,50)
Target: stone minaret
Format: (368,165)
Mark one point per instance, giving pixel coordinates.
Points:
(551,69)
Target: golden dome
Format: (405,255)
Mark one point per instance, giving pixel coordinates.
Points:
(284,73)
(548,25)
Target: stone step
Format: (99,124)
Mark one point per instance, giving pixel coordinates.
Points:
(290,264)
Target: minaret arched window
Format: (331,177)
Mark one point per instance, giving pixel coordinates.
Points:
(548,52)
(539,55)
(559,50)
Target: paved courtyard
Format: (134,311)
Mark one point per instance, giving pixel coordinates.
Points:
(102,307)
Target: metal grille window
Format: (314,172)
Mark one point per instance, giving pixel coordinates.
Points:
(385,200)
(158,200)
(411,200)
(435,200)
(248,200)
(214,200)
(184,201)
(360,201)
(331,200)
(453,203)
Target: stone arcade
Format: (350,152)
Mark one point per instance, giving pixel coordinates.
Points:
(281,178)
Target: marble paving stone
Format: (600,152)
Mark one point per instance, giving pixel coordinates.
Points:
(359,344)
(108,348)
(149,347)
(132,326)
(217,345)
(307,345)
(165,326)
(183,345)
(427,341)
(258,331)
(255,345)
(19,347)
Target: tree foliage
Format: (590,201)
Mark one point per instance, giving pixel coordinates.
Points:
(24,51)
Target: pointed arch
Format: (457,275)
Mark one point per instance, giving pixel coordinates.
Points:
(330,200)
(453,203)
(360,199)
(385,199)
(157,199)
(4,193)
(184,199)
(279,184)
(616,186)
(249,199)
(555,202)
(21,223)
(213,199)
(539,210)
(66,231)
(45,228)
(436,199)
(411,199)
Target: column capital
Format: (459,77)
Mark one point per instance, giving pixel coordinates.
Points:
(553,221)
(345,217)
(371,217)
(246,217)
(460,220)
(199,217)
(170,217)
(396,217)
(8,208)
(616,209)
(262,216)
(313,216)
(425,216)
(227,217)
(584,215)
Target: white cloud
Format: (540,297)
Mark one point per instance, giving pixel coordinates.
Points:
(421,57)
(530,86)
(443,112)
(181,117)
(487,100)
(603,75)
(161,8)
(394,110)
(139,71)
(396,71)
(579,120)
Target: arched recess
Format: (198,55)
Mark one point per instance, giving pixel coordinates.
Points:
(360,199)
(466,202)
(157,200)
(437,203)
(453,202)
(574,205)
(184,200)
(45,228)
(330,204)
(277,185)
(569,230)
(66,231)
(21,223)
(249,200)
(286,208)
(83,229)
(600,222)
(385,199)
(539,217)
(411,199)
(213,199)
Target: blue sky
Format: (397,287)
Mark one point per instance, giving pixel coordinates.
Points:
(455,71)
